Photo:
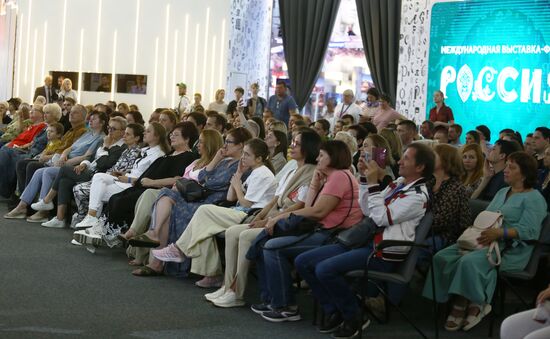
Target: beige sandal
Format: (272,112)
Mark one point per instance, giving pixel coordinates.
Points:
(455,323)
(473,320)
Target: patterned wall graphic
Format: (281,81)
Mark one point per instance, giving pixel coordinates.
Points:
(413,59)
(249,43)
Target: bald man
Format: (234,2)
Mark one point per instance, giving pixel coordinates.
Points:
(46,91)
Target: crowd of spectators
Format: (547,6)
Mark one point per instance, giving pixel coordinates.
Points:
(258,165)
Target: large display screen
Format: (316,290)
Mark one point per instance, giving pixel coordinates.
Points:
(491,59)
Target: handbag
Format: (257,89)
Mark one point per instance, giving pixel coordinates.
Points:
(484,221)
(359,234)
(294,225)
(191,190)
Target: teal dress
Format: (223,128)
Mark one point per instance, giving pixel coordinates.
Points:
(471,275)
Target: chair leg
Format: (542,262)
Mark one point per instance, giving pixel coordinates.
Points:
(403,314)
(436,327)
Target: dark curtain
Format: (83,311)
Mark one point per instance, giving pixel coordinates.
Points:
(379,21)
(306,26)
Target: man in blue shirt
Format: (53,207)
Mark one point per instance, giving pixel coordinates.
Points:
(282,104)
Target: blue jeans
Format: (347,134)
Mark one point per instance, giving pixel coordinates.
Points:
(274,272)
(324,268)
(41,181)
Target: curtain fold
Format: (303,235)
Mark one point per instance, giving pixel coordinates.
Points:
(306,26)
(380,21)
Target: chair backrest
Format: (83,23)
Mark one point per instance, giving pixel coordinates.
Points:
(544,238)
(477,206)
(406,268)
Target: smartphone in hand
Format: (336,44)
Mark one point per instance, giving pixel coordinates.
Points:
(379,155)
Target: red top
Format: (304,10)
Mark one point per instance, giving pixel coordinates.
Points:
(445,114)
(27,135)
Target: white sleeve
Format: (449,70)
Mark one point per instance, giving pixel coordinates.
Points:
(258,184)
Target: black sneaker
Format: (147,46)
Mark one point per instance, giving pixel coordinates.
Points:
(282,314)
(331,323)
(350,329)
(260,308)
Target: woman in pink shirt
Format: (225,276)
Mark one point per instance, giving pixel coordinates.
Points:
(385,113)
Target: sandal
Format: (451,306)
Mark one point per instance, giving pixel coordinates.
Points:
(134,262)
(473,320)
(455,323)
(143,240)
(146,271)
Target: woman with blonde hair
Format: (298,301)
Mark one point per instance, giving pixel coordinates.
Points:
(67,90)
(472,160)
(395,145)
(219,105)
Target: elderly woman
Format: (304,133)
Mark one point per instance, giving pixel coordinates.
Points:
(67,91)
(10,155)
(468,278)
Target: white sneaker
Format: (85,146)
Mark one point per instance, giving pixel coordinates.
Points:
(215,295)
(88,221)
(42,206)
(54,223)
(84,238)
(229,299)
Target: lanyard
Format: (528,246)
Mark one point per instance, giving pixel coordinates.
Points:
(343,111)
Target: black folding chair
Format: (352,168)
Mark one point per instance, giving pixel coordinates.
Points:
(403,274)
(505,279)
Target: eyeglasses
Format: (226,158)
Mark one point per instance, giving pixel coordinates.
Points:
(295,144)
(229,142)
(172,135)
(110,129)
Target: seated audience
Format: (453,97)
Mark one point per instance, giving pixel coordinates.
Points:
(406,130)
(105,185)
(107,156)
(468,278)
(82,149)
(441,134)
(9,156)
(397,211)
(210,142)
(163,172)
(290,195)
(135,117)
(541,140)
(332,202)
(197,241)
(172,213)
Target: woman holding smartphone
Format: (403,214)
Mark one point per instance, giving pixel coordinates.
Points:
(377,151)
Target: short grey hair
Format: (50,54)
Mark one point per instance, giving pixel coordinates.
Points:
(54,110)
